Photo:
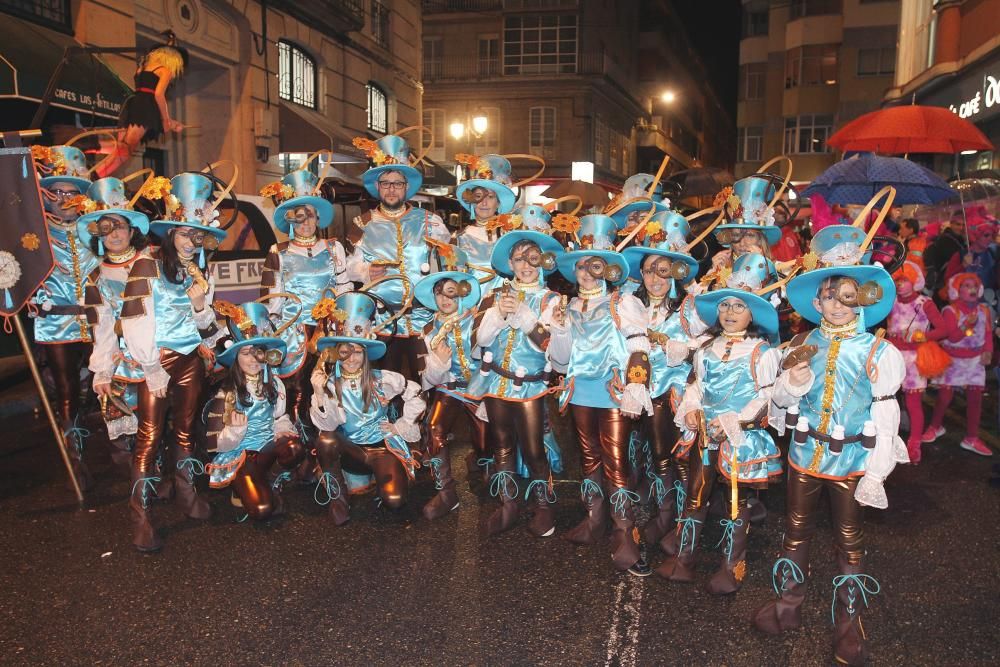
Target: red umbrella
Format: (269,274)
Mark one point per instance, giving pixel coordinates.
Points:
(910,129)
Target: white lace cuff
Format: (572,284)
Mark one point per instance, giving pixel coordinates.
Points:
(127,425)
(635,399)
(731,427)
(156,377)
(677,352)
(870,492)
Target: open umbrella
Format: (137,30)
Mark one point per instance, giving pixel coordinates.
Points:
(910,129)
(857,179)
(701,181)
(589,193)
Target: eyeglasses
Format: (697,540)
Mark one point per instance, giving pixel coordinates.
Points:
(734,307)
(200,239)
(392,185)
(731,236)
(63,194)
(106,227)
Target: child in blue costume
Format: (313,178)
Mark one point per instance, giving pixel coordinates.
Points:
(305,266)
(846,438)
(350,409)
(117,235)
(728,404)
(450,364)
(247,427)
(61,326)
(512,327)
(661,264)
(602,342)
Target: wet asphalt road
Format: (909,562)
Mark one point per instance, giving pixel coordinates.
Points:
(393,588)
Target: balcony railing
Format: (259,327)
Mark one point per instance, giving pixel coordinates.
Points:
(337,16)
(441,6)
(459,69)
(50,13)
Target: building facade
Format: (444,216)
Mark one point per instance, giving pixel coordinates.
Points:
(806,68)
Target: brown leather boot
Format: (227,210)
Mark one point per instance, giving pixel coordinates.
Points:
(503,484)
(662,522)
(73,435)
(850,593)
(121,452)
(144,535)
(671,540)
(681,567)
(331,490)
(789,579)
(592,527)
(624,537)
(188,466)
(542,523)
(729,577)
(446,499)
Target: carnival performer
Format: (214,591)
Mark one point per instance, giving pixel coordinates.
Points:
(61,326)
(846,436)
(513,328)
(247,427)
(728,404)
(640,193)
(349,407)
(305,266)
(661,264)
(601,340)
(969,342)
(449,367)
(117,234)
(392,243)
(169,326)
(913,321)
(145,115)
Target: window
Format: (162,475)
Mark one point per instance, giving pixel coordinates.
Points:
(489,142)
(296,75)
(489,56)
(542,131)
(380,23)
(600,141)
(754,23)
(877,62)
(749,142)
(807,134)
(752,79)
(432,58)
(434,140)
(539,44)
(811,65)
(52,13)
(378,109)
(802,8)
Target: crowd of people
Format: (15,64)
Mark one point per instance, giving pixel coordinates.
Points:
(362,355)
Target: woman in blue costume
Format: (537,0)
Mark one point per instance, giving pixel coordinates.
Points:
(169,328)
(350,408)
(661,264)
(305,266)
(846,438)
(728,404)
(247,426)
(61,326)
(450,365)
(602,342)
(513,328)
(116,234)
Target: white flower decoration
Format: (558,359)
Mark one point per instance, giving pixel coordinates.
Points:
(761,214)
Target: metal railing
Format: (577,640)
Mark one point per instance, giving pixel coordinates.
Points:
(459,69)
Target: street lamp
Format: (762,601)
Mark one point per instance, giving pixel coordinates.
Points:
(457,130)
(668,96)
(479,124)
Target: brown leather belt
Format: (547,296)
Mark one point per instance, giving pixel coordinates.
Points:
(488,367)
(61,310)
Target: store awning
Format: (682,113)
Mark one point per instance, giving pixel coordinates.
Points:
(303,130)
(30,54)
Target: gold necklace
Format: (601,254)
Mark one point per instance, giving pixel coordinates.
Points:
(524,287)
(655,301)
(122,258)
(393,214)
(735,335)
(590,293)
(306,242)
(844,330)
(353,377)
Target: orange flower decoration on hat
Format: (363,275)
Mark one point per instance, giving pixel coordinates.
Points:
(374,153)
(82,204)
(505,222)
(277,191)
(614,203)
(155,188)
(564,222)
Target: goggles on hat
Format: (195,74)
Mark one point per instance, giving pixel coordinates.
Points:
(667,269)
(867,294)
(201,239)
(106,226)
(272,357)
(538,259)
(453,289)
(598,268)
(730,236)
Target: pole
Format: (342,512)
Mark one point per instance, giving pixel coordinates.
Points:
(56,430)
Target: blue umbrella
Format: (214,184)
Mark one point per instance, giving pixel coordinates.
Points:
(856,180)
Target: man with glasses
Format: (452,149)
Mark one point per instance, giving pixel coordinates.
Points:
(61,324)
(393,243)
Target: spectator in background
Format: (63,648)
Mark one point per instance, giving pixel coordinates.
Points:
(915,242)
(951,242)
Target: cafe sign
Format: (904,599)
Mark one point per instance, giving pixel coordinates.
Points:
(973,95)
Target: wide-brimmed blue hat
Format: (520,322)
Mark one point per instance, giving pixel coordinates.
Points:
(390,153)
(597,235)
(492,172)
(747,206)
(299,188)
(189,205)
(354,325)
(248,325)
(665,236)
(500,257)
(635,196)
(424,289)
(108,194)
(751,273)
(62,164)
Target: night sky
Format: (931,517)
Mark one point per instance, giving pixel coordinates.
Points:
(714,29)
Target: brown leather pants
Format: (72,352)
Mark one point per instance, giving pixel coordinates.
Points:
(298,387)
(443,416)
(187,378)
(65,361)
(391,481)
(661,432)
(251,482)
(603,434)
(518,422)
(702,478)
(848,515)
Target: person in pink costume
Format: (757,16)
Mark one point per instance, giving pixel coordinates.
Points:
(914,319)
(969,341)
